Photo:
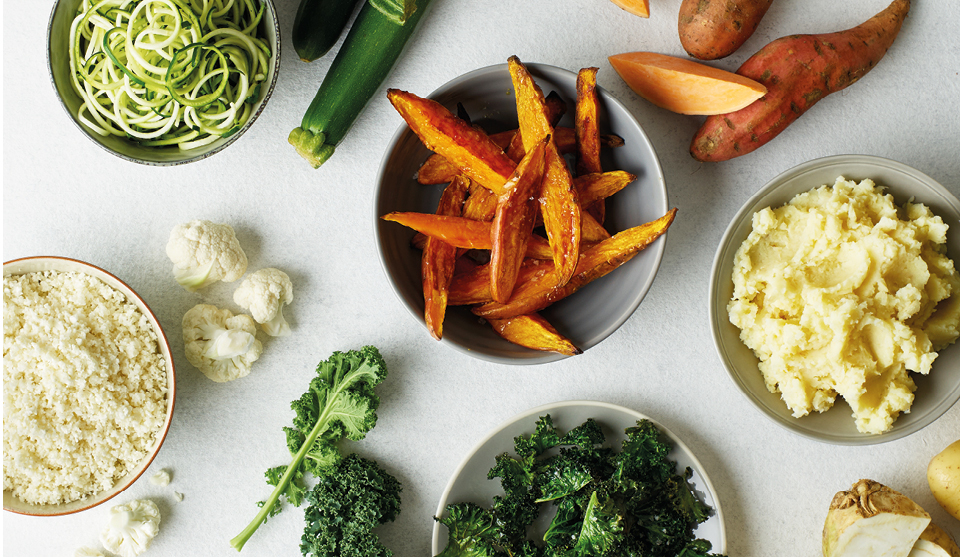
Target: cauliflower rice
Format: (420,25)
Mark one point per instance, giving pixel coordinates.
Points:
(84,386)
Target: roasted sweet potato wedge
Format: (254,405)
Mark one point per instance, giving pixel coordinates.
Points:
(473,286)
(465,146)
(595,262)
(438,170)
(438,261)
(586,125)
(561,213)
(533,331)
(595,187)
(463,232)
(513,223)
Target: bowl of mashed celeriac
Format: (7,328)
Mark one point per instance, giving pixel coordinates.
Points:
(88,386)
(835,301)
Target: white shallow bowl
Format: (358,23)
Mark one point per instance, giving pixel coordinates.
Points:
(58,64)
(469,482)
(66,265)
(589,315)
(935,393)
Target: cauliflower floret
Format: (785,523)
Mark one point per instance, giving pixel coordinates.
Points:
(131,528)
(264,294)
(220,344)
(88,552)
(204,252)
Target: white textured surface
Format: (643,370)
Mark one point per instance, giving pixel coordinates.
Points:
(65,196)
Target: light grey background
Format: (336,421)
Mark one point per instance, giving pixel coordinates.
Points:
(65,196)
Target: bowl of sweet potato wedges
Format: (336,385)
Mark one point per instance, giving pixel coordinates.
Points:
(521,212)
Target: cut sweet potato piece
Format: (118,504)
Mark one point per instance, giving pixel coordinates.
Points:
(586,126)
(438,170)
(481,204)
(438,261)
(465,146)
(685,86)
(462,232)
(595,187)
(595,262)
(532,111)
(473,287)
(561,213)
(636,7)
(513,223)
(533,331)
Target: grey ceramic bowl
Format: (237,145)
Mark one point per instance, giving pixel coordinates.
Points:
(469,483)
(591,314)
(63,264)
(935,393)
(58,64)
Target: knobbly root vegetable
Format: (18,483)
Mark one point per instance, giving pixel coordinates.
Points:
(636,7)
(797,71)
(685,86)
(935,542)
(872,519)
(712,29)
(533,331)
(943,475)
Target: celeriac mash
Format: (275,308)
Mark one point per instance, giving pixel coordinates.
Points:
(839,292)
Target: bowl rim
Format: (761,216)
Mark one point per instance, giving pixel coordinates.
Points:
(657,249)
(271,10)
(163,345)
(725,248)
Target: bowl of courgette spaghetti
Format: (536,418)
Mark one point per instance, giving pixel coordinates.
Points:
(163,82)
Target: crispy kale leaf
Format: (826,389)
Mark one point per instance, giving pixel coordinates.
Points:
(340,402)
(345,506)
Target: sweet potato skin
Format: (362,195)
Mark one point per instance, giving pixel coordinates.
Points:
(713,29)
(798,71)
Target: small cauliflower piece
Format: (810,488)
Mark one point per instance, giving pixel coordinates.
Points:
(204,252)
(131,528)
(264,293)
(161,478)
(220,344)
(88,552)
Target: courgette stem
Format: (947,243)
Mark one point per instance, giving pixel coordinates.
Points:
(368,54)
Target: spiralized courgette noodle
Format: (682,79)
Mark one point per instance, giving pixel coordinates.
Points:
(168,72)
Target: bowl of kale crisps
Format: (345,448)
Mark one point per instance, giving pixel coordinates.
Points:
(88,386)
(163,83)
(412,179)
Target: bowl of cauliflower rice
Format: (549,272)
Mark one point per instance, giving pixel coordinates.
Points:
(88,386)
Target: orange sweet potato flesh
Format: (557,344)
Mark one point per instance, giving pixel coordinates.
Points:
(473,286)
(685,86)
(586,124)
(438,261)
(513,222)
(465,146)
(798,71)
(595,262)
(636,7)
(535,332)
(462,232)
(558,200)
(713,29)
(437,170)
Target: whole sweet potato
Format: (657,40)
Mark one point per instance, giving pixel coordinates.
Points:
(712,29)
(797,71)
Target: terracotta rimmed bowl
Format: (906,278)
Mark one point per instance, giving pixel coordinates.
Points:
(62,264)
(591,314)
(935,393)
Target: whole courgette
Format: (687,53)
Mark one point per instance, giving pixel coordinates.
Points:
(318,25)
(368,54)
(798,71)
